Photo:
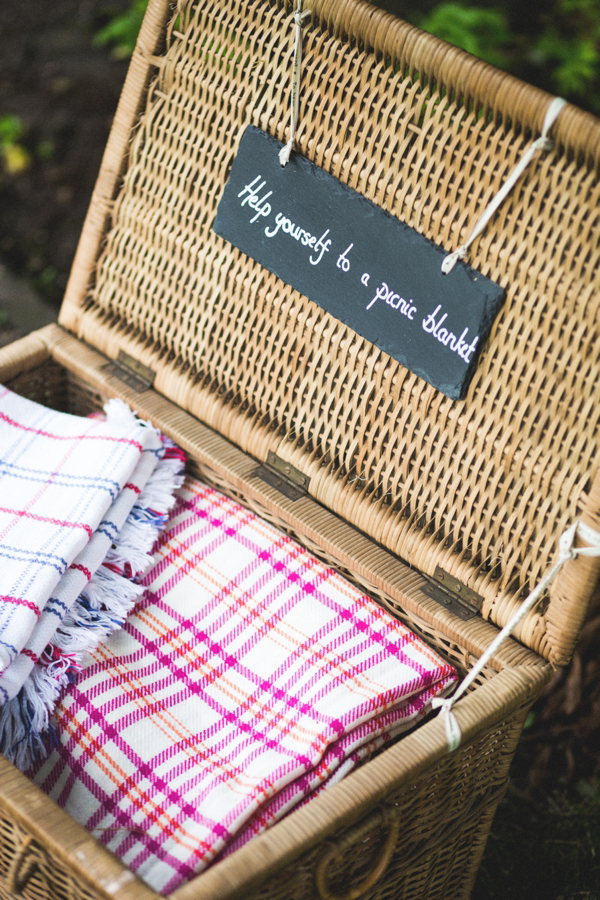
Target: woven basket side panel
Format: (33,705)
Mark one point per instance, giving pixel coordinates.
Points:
(27,869)
(444,819)
(481,487)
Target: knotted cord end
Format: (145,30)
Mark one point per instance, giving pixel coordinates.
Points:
(451,259)
(301,17)
(286,152)
(566,543)
(543,143)
(453,732)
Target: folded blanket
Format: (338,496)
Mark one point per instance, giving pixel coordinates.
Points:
(249,676)
(78,520)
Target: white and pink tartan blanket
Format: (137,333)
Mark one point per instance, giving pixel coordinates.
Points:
(249,677)
(82,501)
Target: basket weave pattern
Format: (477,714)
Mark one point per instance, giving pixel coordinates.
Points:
(483,487)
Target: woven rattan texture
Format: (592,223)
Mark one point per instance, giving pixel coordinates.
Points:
(443,819)
(481,487)
(28,870)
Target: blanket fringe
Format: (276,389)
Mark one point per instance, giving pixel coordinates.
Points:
(101,608)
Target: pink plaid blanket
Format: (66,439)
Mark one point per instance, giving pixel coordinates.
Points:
(248,677)
(81,504)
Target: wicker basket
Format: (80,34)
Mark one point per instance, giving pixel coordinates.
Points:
(402,479)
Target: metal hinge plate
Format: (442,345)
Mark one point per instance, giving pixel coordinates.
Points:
(282,475)
(133,373)
(453,595)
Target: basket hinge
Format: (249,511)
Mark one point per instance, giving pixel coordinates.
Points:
(452,594)
(133,373)
(282,475)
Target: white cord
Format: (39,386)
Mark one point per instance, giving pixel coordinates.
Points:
(566,551)
(299,18)
(542,143)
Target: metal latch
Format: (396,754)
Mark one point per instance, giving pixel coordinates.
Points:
(133,373)
(282,475)
(451,593)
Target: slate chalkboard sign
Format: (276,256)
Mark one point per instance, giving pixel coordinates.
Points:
(372,272)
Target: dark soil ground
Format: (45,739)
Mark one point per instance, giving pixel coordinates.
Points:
(63,91)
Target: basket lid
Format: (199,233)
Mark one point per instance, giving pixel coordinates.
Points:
(480,487)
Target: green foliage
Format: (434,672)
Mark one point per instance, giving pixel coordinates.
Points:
(573,61)
(14,156)
(45,150)
(121,32)
(47,279)
(556,45)
(569,48)
(482,32)
(11,130)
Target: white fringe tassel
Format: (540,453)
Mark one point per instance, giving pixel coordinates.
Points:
(101,609)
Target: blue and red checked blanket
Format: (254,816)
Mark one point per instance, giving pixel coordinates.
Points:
(81,503)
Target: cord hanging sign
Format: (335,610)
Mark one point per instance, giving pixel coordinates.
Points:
(359,263)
